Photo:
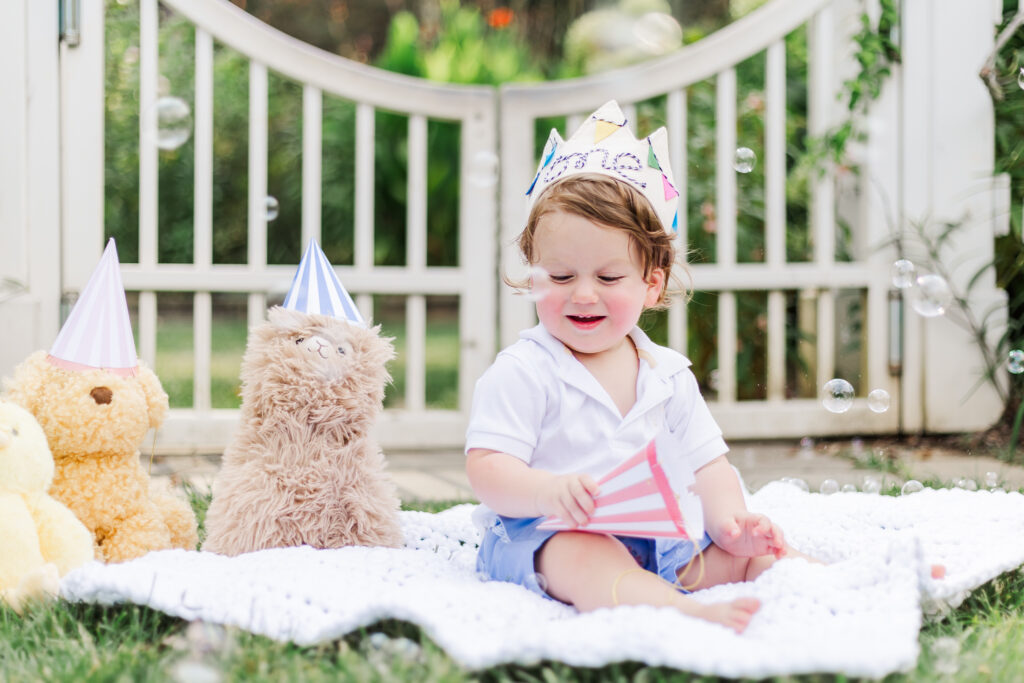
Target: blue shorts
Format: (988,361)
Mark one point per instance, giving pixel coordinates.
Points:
(510,544)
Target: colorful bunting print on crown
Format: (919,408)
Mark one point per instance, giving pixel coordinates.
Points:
(98,333)
(604,144)
(316,289)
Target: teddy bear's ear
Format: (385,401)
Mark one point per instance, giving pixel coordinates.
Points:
(25,388)
(156,397)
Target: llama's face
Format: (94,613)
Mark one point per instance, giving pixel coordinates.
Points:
(315,364)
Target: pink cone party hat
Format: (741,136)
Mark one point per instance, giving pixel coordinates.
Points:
(604,144)
(98,333)
(316,289)
(645,496)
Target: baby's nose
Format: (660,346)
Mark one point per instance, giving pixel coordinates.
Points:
(102,395)
(584,293)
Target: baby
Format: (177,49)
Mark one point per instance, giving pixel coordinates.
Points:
(586,389)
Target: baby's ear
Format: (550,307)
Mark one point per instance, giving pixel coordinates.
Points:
(156,397)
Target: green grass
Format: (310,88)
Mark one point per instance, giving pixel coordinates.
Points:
(174,364)
(78,642)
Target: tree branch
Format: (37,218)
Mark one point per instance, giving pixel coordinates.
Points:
(988,69)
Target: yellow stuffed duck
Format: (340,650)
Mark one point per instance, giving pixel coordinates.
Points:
(43,540)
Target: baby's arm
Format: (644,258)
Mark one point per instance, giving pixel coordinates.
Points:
(731,526)
(512,488)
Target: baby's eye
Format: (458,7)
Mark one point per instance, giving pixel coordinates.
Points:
(608,279)
(560,278)
(300,340)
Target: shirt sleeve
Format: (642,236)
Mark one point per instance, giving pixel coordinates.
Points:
(690,422)
(509,403)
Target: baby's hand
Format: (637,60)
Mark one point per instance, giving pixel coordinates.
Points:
(569,497)
(747,534)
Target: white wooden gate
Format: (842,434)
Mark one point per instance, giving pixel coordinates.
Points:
(471,281)
(932,100)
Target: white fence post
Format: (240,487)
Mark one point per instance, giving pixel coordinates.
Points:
(947,176)
(30,283)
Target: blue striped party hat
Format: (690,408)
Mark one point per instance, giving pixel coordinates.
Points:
(316,289)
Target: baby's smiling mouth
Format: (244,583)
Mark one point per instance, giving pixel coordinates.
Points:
(585,319)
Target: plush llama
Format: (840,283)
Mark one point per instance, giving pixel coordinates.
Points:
(42,539)
(303,468)
(95,421)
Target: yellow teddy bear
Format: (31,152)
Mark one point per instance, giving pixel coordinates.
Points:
(95,420)
(42,539)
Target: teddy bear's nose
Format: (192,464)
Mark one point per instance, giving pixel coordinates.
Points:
(102,395)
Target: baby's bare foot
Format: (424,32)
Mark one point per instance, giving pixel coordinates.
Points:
(736,614)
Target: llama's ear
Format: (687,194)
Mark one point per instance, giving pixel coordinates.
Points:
(156,397)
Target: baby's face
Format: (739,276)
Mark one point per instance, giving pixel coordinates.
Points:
(595,289)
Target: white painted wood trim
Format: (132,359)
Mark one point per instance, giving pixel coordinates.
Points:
(690,64)
(81,140)
(415,352)
(725,176)
(147,327)
(312,164)
(416,195)
(258,94)
(775,154)
(202,340)
(727,348)
(678,133)
(203,144)
(148,152)
(364,187)
(328,72)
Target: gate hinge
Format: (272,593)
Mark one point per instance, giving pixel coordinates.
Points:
(71,22)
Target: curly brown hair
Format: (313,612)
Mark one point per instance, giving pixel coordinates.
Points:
(613,204)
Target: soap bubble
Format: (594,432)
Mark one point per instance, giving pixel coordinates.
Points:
(967,484)
(1020,78)
(872,484)
(744,159)
(991,480)
(271,208)
(797,482)
(837,395)
(191,670)
(1015,362)
(658,33)
(540,284)
(829,486)
(173,122)
(932,296)
(713,379)
(483,169)
(902,274)
(848,488)
(542,581)
(878,400)
(945,655)
(911,486)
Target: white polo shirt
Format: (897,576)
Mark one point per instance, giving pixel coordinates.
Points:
(538,403)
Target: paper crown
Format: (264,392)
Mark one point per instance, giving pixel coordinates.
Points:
(98,333)
(316,289)
(645,496)
(604,144)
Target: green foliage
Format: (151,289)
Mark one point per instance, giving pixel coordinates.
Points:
(1009,248)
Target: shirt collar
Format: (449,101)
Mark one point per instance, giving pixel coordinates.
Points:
(661,362)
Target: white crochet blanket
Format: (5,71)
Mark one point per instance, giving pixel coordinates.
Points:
(859,615)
